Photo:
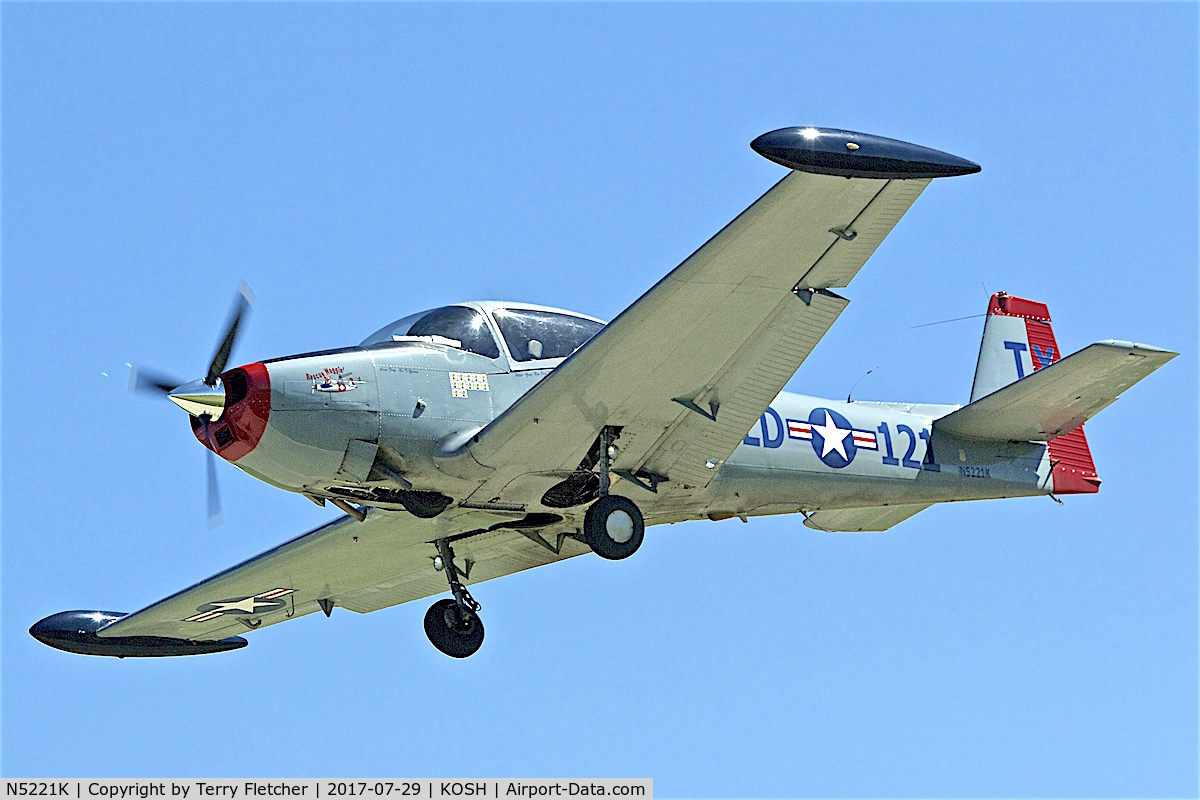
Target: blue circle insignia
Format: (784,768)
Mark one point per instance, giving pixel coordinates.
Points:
(832,437)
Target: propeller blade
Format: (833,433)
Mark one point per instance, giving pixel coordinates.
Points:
(141,380)
(241,305)
(214,497)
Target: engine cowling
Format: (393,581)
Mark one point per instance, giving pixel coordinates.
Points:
(241,426)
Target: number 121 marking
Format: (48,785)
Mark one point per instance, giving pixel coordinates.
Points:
(907,461)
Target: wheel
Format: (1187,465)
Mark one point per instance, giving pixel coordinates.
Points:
(613,527)
(455,633)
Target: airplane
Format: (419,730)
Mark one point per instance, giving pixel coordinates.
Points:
(476,440)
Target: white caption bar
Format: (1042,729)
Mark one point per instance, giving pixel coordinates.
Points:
(331,788)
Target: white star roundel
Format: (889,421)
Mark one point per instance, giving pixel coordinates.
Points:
(261,603)
(832,437)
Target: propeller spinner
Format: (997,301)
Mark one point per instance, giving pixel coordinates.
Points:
(199,399)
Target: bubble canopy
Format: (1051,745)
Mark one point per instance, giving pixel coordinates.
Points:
(534,334)
(531,333)
(454,324)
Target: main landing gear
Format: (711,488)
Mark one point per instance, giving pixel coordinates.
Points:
(453,626)
(613,525)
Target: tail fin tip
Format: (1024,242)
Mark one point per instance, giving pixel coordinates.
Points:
(1004,304)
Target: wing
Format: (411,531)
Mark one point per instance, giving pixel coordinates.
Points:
(1058,398)
(363,566)
(686,370)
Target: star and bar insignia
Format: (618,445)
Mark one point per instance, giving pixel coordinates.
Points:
(260,603)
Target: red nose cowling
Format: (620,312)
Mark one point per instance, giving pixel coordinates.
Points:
(247,406)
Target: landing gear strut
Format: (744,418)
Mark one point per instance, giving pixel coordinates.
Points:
(453,626)
(613,525)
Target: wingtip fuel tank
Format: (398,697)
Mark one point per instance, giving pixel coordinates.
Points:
(829,151)
(76,632)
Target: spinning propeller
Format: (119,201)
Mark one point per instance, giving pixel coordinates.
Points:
(204,399)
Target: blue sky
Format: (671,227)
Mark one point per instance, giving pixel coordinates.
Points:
(354,163)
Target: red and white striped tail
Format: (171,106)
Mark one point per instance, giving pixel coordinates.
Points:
(1018,341)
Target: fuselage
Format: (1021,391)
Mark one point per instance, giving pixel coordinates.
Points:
(367,424)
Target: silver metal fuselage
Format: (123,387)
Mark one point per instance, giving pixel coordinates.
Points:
(400,399)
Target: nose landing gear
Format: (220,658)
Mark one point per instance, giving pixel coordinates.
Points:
(613,526)
(453,625)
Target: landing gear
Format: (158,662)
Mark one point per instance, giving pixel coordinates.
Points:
(453,626)
(613,526)
(456,633)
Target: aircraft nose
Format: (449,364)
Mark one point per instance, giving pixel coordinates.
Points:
(198,398)
(238,408)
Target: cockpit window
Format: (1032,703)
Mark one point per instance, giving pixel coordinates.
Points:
(460,324)
(384,334)
(533,335)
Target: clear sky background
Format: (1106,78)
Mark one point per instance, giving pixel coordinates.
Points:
(355,163)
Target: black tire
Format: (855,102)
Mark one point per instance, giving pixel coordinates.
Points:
(457,635)
(613,527)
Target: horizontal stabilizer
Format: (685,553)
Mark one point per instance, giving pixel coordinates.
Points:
(1058,398)
(861,520)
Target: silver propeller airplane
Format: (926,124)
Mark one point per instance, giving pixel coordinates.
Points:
(484,438)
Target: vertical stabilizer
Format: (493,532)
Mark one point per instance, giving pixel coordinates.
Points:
(1018,341)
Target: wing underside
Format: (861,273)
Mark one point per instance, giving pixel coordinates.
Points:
(384,561)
